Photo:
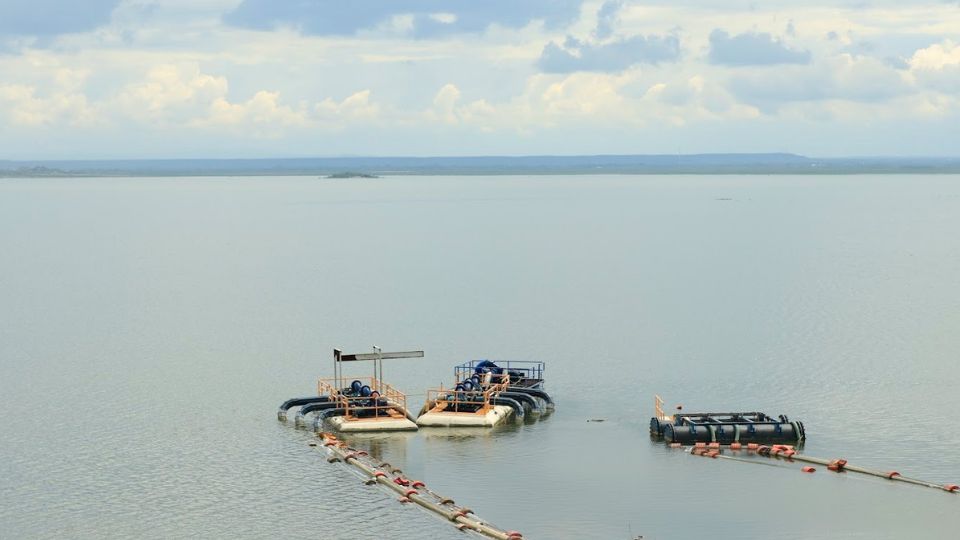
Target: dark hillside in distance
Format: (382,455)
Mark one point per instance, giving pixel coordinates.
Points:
(485,165)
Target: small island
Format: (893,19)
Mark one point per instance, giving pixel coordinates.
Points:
(352,175)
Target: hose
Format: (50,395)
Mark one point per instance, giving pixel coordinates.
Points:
(523,398)
(296,402)
(512,403)
(536,392)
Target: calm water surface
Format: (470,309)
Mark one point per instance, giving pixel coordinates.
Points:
(150,327)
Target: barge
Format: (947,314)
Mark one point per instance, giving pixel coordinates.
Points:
(355,404)
(486,394)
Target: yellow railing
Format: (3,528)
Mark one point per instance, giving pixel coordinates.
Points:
(452,400)
(658,409)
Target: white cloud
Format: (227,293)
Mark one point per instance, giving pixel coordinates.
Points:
(171,94)
(23,106)
(936,57)
(171,70)
(444,18)
(263,114)
(937,67)
(355,107)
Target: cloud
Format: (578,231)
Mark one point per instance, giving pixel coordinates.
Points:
(937,66)
(23,106)
(355,107)
(52,17)
(844,77)
(937,57)
(607,18)
(181,77)
(430,18)
(752,49)
(171,94)
(263,113)
(617,55)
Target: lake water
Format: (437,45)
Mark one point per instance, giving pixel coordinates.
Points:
(149,328)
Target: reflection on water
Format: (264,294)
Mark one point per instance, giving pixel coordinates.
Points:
(150,328)
(389,447)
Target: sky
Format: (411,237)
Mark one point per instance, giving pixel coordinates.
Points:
(103,79)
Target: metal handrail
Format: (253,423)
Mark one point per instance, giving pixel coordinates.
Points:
(658,408)
(451,398)
(353,404)
(532,369)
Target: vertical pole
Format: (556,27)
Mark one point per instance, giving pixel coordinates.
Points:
(336,366)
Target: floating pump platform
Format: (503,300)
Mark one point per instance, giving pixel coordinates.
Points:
(356,404)
(724,428)
(487,394)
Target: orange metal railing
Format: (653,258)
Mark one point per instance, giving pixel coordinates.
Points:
(389,398)
(452,400)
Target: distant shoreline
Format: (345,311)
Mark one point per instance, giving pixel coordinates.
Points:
(701,164)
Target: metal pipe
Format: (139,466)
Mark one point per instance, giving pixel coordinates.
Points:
(417,494)
(889,475)
(842,465)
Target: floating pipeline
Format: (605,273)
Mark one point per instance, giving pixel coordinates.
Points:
(789,453)
(409,491)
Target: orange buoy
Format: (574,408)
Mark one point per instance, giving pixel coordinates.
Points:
(837,465)
(403,500)
(675,445)
(752,446)
(714,445)
(700,445)
(735,446)
(417,484)
(808,469)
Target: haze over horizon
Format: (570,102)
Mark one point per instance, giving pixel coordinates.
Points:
(149,79)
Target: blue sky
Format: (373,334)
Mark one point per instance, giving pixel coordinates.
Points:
(274,78)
